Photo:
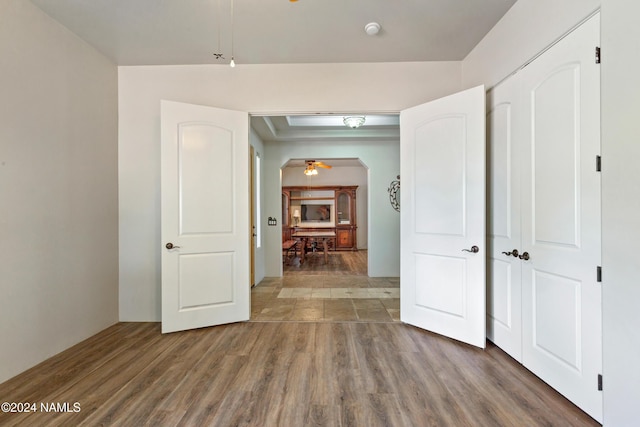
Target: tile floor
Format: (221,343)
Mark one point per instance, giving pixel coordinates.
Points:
(326,298)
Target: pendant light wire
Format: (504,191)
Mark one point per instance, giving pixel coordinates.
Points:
(218,25)
(218,53)
(233,63)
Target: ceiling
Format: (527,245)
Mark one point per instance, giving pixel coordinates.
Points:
(170,32)
(322,127)
(176,32)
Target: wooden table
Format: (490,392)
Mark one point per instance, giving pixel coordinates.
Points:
(323,236)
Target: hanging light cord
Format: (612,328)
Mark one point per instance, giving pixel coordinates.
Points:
(218,25)
(218,53)
(233,63)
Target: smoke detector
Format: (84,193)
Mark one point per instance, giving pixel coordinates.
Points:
(372,28)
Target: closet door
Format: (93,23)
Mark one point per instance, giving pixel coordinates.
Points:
(504,293)
(562,333)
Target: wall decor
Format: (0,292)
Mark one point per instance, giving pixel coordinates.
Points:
(394,193)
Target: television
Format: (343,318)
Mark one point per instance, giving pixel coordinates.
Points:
(315,213)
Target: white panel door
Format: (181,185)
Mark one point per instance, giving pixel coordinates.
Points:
(442,217)
(205,216)
(562,318)
(504,285)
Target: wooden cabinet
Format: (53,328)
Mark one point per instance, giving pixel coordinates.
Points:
(346,218)
(344,238)
(343,206)
(286,227)
(298,202)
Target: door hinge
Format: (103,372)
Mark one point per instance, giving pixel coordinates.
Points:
(597,54)
(599,382)
(599,274)
(598,164)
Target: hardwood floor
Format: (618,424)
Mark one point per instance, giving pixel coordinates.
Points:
(324,348)
(340,263)
(285,374)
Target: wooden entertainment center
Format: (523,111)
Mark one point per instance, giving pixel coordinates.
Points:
(340,200)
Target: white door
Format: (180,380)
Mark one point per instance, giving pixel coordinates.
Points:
(442,216)
(205,216)
(504,289)
(562,330)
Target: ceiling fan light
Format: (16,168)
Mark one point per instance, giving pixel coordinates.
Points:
(353,121)
(310,170)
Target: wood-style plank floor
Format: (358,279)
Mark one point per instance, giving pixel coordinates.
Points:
(339,263)
(285,374)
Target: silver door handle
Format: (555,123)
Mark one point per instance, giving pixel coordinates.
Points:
(474,249)
(513,252)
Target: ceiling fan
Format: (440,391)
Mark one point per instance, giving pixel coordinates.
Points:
(311,167)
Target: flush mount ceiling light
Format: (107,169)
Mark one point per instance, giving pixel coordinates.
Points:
(372,28)
(354,121)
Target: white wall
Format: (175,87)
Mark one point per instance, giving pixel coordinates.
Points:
(528,27)
(58,197)
(357,175)
(268,89)
(621,210)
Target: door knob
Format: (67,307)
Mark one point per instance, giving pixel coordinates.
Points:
(524,256)
(170,246)
(474,249)
(513,252)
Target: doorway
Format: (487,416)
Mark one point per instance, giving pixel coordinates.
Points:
(302,291)
(335,286)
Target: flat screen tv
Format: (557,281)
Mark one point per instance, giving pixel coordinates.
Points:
(315,213)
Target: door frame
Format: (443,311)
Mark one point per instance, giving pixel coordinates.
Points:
(366,168)
(287,112)
(252,216)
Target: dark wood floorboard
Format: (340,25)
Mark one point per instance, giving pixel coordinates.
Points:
(286,374)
